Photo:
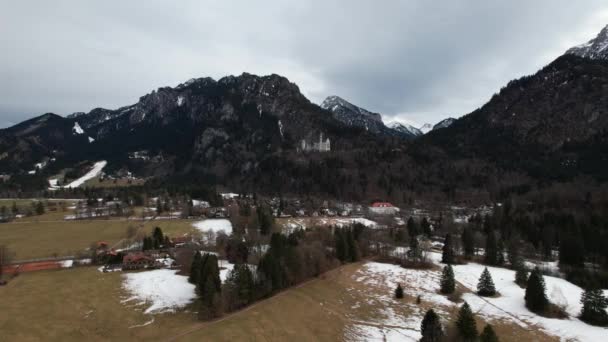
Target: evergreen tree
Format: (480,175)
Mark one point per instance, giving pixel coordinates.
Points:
(39,208)
(399,292)
(448,284)
(491,257)
(425,225)
(500,253)
(431,328)
(594,307)
(485,286)
(412,227)
(341,243)
(157,237)
(210,301)
(521,273)
(488,334)
(448,250)
(14,209)
(243,286)
(467,328)
(415,252)
(353,247)
(536,298)
(468,242)
(210,271)
(195,269)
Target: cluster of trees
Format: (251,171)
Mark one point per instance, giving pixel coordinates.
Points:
(288,261)
(466,328)
(347,246)
(36,208)
(156,241)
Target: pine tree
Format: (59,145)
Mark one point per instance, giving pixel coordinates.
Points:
(594,307)
(210,301)
(448,250)
(468,242)
(157,237)
(195,269)
(488,334)
(353,247)
(491,249)
(448,284)
(14,209)
(467,328)
(500,253)
(39,208)
(536,298)
(412,227)
(431,328)
(521,273)
(415,252)
(425,225)
(399,292)
(485,286)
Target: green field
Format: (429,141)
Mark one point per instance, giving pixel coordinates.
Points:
(41,236)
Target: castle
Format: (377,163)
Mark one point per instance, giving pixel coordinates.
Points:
(320,146)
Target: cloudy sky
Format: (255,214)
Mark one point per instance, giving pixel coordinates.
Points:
(416,61)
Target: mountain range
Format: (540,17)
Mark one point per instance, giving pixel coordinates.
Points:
(259,133)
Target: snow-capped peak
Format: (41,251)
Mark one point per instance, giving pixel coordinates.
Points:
(77,129)
(404,128)
(427,127)
(596,48)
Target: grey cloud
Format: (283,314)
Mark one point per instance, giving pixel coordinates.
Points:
(415,61)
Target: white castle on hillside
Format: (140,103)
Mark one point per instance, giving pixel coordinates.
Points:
(320,146)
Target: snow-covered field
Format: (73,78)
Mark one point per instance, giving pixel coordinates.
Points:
(509,306)
(213,225)
(163,290)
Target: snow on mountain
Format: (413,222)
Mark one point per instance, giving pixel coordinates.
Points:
(444,123)
(427,127)
(94,172)
(355,116)
(596,48)
(404,128)
(77,129)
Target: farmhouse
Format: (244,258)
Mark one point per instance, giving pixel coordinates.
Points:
(137,261)
(382,208)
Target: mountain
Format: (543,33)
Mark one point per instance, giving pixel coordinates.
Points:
(354,116)
(225,130)
(596,48)
(427,127)
(405,128)
(552,125)
(444,123)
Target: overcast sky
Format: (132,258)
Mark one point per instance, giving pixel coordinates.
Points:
(416,61)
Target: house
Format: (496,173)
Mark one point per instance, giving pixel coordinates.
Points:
(137,261)
(382,208)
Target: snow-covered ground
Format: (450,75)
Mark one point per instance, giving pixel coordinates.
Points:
(509,306)
(163,290)
(94,172)
(213,225)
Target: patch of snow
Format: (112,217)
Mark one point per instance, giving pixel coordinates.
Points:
(77,129)
(229,195)
(213,225)
(94,172)
(163,290)
(91,140)
(180,101)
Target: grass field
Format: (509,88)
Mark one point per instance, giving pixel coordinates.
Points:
(41,236)
(58,305)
